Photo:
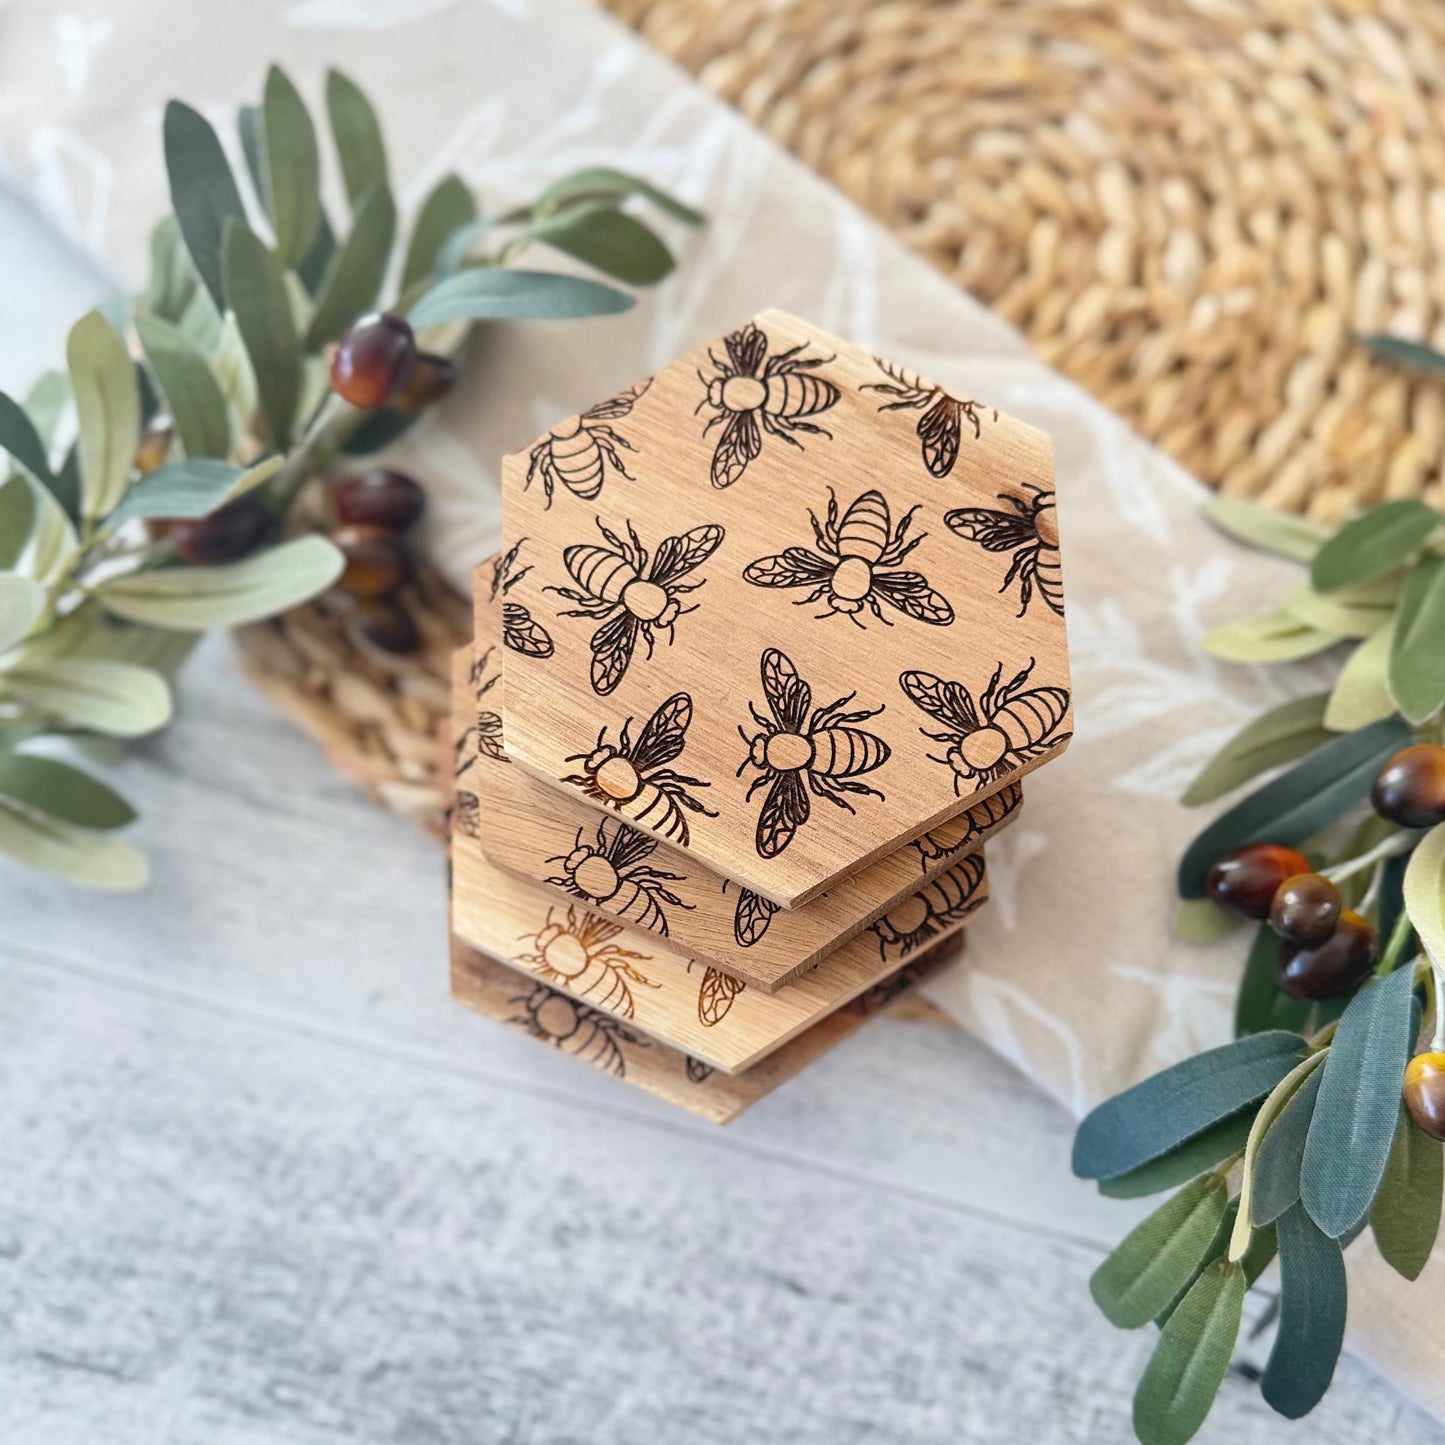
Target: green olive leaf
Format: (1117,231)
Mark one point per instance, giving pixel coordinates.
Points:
(1353,1128)
(256,293)
(1279,532)
(19,437)
(1374,543)
(1159,1257)
(195,598)
(1361,694)
(17,519)
(1199,920)
(77,855)
(1188,1161)
(192,488)
(1279,736)
(118,699)
(1275,636)
(1425,890)
(1191,1359)
(357,269)
(203,192)
(357,134)
(1406,1214)
(192,392)
(1352,612)
(494,295)
(1260,1006)
(608,240)
(1312,1302)
(600,183)
(173,279)
(448,209)
(290,166)
(1417,651)
(50,786)
(1405,353)
(22,600)
(107,404)
(1276,1179)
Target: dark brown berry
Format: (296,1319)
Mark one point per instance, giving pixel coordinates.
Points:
(227,535)
(1305,909)
(373,361)
(1247,879)
(1334,967)
(155,444)
(376,564)
(378,498)
(386,624)
(1410,788)
(1425,1093)
(430,380)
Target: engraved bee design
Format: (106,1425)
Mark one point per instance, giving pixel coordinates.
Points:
(632,776)
(798,751)
(1030,532)
(715,994)
(579,954)
(617,587)
(751,916)
(883,993)
(577,452)
(858,565)
(697,1071)
(585,1033)
(753,392)
(1009,726)
(613,870)
(489,722)
(520,630)
(940,903)
(981,818)
(940,428)
(466,807)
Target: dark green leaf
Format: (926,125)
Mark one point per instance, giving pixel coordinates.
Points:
(291,165)
(1160,1256)
(1405,353)
(64,792)
(312,269)
(600,183)
(1277,1166)
(379,429)
(194,487)
(1172,1107)
(609,241)
(17,519)
(67,483)
(1215,1253)
(358,137)
(1417,652)
(446,210)
(1260,1005)
(1186,1162)
(1279,736)
(491,295)
(1354,1122)
(1406,1212)
(1298,803)
(19,437)
(1313,1297)
(356,272)
(203,191)
(1191,1359)
(248,124)
(256,292)
(192,392)
(1373,544)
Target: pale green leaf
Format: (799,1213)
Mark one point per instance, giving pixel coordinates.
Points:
(448,209)
(194,598)
(203,191)
(107,404)
(1361,695)
(1349,612)
(1417,650)
(601,183)
(45,404)
(1425,890)
(1277,636)
(1279,736)
(173,279)
(115,698)
(256,293)
(95,860)
(192,488)
(353,279)
(482,295)
(22,600)
(1200,920)
(47,785)
(193,395)
(1279,532)
(291,166)
(235,376)
(357,133)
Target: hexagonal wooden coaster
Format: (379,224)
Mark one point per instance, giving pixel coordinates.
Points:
(548,834)
(639,978)
(785,606)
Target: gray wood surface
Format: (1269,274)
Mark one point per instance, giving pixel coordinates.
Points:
(264,1184)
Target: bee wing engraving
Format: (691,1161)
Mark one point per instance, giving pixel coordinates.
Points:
(612,646)
(504,577)
(910,593)
(665,734)
(628,846)
(716,996)
(939,429)
(795,567)
(787,694)
(751,917)
(740,442)
(489,736)
(747,348)
(677,556)
(948,702)
(617,406)
(993,530)
(784,811)
(523,633)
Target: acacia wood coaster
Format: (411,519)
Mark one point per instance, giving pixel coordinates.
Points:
(785,606)
(606,864)
(650,985)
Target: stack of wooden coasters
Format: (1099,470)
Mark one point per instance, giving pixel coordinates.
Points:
(773,637)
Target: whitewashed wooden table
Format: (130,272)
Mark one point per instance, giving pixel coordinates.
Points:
(264,1184)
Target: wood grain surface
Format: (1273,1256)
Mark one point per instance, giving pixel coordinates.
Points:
(785,606)
(548,834)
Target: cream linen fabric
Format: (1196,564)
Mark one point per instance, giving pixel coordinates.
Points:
(1071,974)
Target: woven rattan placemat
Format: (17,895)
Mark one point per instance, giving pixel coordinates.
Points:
(1192,207)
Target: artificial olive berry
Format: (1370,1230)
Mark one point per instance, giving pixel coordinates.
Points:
(373,360)
(386,624)
(376,564)
(378,498)
(1331,968)
(1425,1093)
(1410,788)
(155,444)
(1305,909)
(1247,879)
(431,378)
(226,535)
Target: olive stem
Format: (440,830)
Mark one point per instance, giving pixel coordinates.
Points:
(1395,946)
(1397,843)
(1373,891)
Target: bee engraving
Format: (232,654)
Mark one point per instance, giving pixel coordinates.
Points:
(715,995)
(940,428)
(798,751)
(940,903)
(697,1071)
(753,392)
(632,776)
(1030,532)
(585,1033)
(489,722)
(751,916)
(1010,725)
(981,818)
(613,870)
(579,954)
(617,587)
(858,565)
(520,630)
(577,452)
(466,807)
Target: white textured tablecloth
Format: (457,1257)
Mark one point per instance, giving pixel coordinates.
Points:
(1072,973)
